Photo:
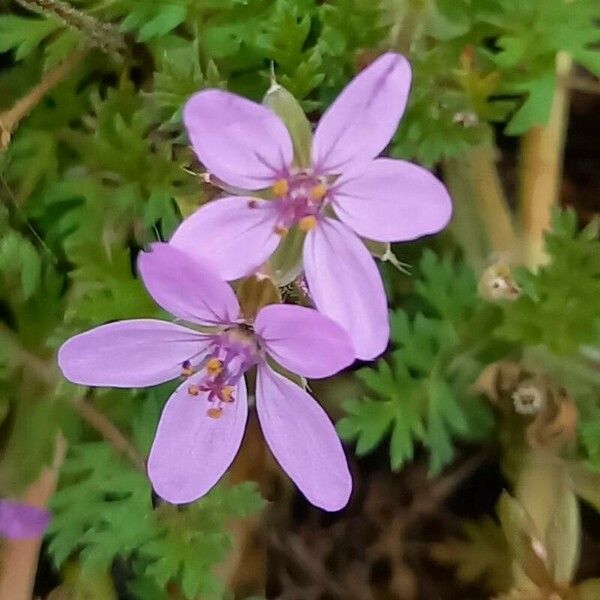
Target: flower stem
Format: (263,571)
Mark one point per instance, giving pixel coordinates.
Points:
(482,222)
(542,149)
(466,225)
(491,200)
(20,557)
(110,432)
(98,34)
(10,119)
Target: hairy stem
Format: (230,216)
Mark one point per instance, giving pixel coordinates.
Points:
(466,225)
(20,557)
(10,119)
(491,200)
(542,149)
(482,223)
(98,34)
(110,432)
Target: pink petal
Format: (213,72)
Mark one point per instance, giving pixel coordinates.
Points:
(233,235)
(345,285)
(191,450)
(303,440)
(239,141)
(187,288)
(135,353)
(303,340)
(22,521)
(391,200)
(364,117)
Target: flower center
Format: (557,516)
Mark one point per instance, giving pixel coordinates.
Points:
(232,352)
(300,199)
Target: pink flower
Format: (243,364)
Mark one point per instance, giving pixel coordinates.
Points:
(203,422)
(22,521)
(246,145)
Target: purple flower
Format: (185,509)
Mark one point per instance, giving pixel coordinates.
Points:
(203,422)
(22,521)
(247,146)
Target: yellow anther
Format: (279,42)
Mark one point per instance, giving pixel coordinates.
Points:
(280,230)
(193,390)
(214,366)
(317,192)
(307,223)
(214,413)
(226,394)
(281,187)
(187,371)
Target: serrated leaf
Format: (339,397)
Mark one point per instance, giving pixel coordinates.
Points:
(24,34)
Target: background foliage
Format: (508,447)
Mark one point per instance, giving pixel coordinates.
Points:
(100,168)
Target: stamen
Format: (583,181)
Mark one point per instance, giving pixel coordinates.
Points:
(226,394)
(280,187)
(214,413)
(318,191)
(307,223)
(187,370)
(214,366)
(280,230)
(193,390)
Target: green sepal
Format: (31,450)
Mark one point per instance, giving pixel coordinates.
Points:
(288,109)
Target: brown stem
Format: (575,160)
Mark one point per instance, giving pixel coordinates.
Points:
(20,557)
(98,34)
(42,370)
(10,119)
(109,432)
(542,150)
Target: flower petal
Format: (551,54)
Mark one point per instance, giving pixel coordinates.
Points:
(303,440)
(22,521)
(391,201)
(235,236)
(135,353)
(241,142)
(364,117)
(303,340)
(191,450)
(187,288)
(345,285)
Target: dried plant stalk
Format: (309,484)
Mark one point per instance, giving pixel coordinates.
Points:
(542,149)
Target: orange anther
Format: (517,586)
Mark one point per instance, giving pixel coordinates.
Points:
(280,187)
(280,230)
(187,371)
(214,413)
(226,394)
(214,366)
(317,192)
(193,390)
(307,223)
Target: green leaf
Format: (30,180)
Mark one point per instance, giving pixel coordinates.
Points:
(535,109)
(420,393)
(152,20)
(24,34)
(541,316)
(484,554)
